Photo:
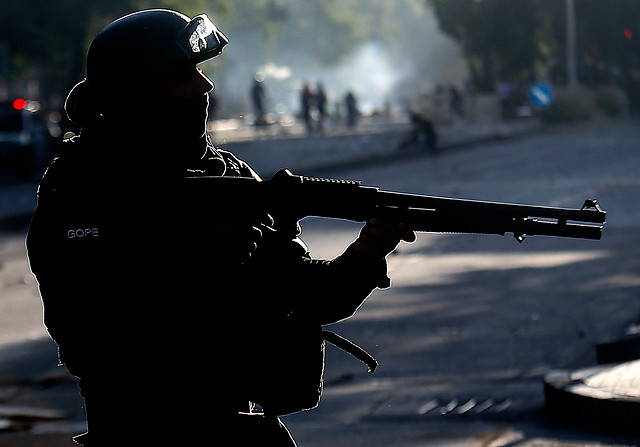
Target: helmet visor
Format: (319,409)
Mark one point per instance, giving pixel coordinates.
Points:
(201,39)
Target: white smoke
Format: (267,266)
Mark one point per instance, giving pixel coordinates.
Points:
(391,69)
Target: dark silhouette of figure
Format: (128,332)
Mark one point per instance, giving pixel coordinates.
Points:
(422,134)
(258,99)
(187,318)
(455,102)
(351,104)
(321,105)
(505,95)
(307,100)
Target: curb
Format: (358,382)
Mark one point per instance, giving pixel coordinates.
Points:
(623,350)
(569,397)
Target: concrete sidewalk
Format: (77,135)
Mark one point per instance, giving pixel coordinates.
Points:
(373,142)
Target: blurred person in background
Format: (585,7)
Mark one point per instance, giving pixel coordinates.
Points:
(258,99)
(351,105)
(321,105)
(307,101)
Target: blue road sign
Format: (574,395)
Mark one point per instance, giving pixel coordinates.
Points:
(541,94)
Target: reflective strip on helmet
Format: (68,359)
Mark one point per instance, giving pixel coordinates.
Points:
(201,39)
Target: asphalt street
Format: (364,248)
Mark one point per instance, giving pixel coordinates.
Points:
(479,320)
(470,326)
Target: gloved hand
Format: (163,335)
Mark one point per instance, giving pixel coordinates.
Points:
(233,238)
(379,238)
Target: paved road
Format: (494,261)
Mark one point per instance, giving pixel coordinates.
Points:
(472,323)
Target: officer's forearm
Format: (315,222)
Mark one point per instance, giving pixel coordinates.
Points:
(338,287)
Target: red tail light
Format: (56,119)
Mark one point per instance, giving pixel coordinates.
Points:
(19,104)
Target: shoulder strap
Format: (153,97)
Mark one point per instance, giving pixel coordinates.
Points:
(351,348)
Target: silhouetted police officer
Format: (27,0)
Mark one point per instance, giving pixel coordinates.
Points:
(166,307)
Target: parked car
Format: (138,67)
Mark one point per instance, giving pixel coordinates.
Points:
(25,140)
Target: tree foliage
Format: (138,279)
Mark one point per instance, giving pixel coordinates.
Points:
(47,40)
(502,39)
(608,39)
(513,39)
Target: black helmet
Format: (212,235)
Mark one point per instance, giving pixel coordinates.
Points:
(149,44)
